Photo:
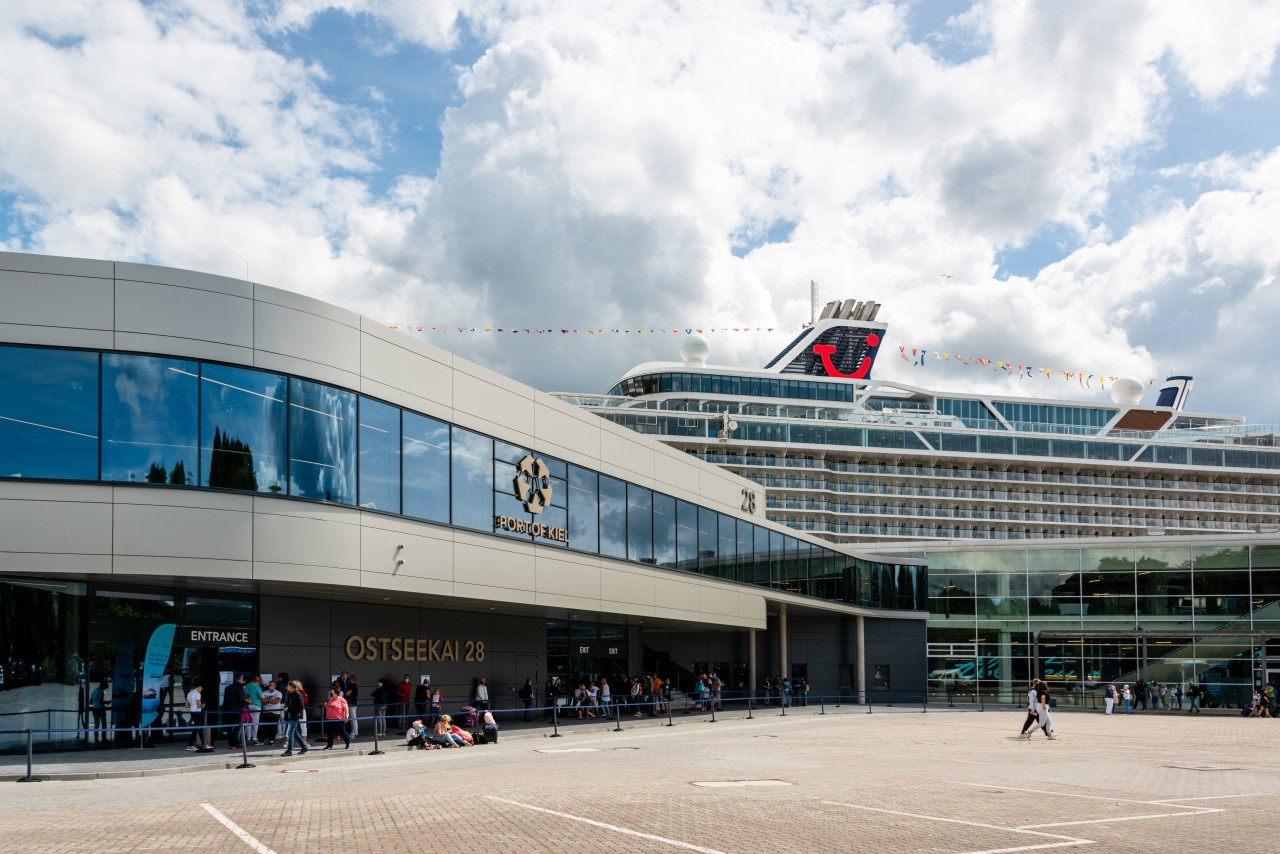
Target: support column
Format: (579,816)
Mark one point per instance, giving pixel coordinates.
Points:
(783,668)
(860,660)
(752,681)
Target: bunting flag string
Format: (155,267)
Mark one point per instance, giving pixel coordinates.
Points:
(524,331)
(917,356)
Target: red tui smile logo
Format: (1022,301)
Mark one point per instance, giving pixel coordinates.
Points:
(826,351)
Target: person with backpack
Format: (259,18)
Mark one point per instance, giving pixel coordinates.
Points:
(294,709)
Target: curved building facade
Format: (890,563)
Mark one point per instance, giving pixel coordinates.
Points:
(203,476)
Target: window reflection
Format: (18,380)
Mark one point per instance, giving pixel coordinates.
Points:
(687,536)
(426,468)
(664,530)
(708,540)
(584,510)
(242,429)
(48,413)
(322,442)
(150,419)
(639,524)
(471,476)
(613,517)
(379,456)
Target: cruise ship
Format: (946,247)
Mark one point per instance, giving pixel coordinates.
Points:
(855,459)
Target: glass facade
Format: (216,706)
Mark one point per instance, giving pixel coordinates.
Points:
(667,383)
(85,416)
(1086,617)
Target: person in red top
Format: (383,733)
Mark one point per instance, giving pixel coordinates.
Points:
(335,719)
(404,693)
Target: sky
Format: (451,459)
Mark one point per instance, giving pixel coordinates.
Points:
(1089,186)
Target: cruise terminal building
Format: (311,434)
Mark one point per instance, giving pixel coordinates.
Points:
(203,476)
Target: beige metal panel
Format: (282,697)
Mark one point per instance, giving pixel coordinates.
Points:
(187,348)
(25,490)
(307,541)
(167,567)
(305,304)
(627,455)
(167,496)
(204,315)
(573,604)
(631,609)
(183,532)
(77,302)
(675,469)
(314,371)
(569,577)
(55,527)
(397,397)
(493,563)
(51,336)
(620,585)
(495,402)
(559,429)
(718,600)
(425,557)
(57,265)
(308,574)
(405,584)
(752,607)
(190,279)
(397,367)
(58,564)
(723,491)
(480,592)
(676,592)
(308,337)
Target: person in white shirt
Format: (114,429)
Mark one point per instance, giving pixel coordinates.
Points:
(195,710)
(272,706)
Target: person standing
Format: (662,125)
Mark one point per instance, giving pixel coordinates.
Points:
(233,710)
(526,697)
(272,706)
(1128,699)
(1110,697)
(335,718)
(1193,694)
(351,693)
(1031,709)
(422,697)
(482,695)
(98,706)
(606,697)
(253,700)
(1141,692)
(404,694)
(195,711)
(381,699)
(437,703)
(293,709)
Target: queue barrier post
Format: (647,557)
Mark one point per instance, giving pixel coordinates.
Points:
(924,703)
(713,713)
(784,707)
(867,700)
(30,778)
(750,703)
(375,751)
(669,721)
(822,704)
(555,721)
(244,749)
(617,717)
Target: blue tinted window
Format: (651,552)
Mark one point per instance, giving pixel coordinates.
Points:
(639,524)
(728,544)
(322,442)
(745,549)
(776,555)
(48,413)
(425,450)
(687,536)
(150,420)
(472,479)
(664,530)
(613,517)
(242,429)
(760,559)
(584,510)
(379,456)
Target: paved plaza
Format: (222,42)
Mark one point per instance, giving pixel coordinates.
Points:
(954,782)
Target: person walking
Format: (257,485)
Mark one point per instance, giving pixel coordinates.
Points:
(1193,696)
(335,719)
(526,697)
(1031,709)
(293,708)
(1110,697)
(1044,713)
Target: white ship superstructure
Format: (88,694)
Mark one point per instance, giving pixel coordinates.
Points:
(853,458)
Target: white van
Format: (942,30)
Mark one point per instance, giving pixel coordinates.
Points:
(949,679)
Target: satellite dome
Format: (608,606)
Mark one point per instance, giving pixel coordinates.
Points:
(694,349)
(1127,391)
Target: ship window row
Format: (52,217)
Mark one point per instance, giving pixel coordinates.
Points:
(667,383)
(74,415)
(1034,414)
(815,433)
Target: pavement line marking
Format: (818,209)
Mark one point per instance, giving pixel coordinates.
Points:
(677,843)
(1032,847)
(1210,798)
(237,830)
(1202,811)
(1058,794)
(1069,840)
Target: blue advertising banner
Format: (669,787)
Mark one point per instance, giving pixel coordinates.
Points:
(153,666)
